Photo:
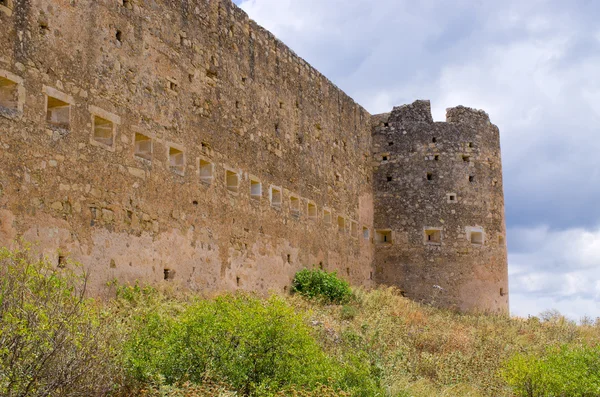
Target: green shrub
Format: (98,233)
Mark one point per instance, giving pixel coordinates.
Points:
(321,285)
(257,347)
(53,341)
(572,371)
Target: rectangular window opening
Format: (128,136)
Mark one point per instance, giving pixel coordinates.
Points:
(327,216)
(255,189)
(143,147)
(276,197)
(206,169)
(366,233)
(104,131)
(389,179)
(436,157)
(452,198)
(232,180)
(501,240)
(383,236)
(433,236)
(312,211)
(295,205)
(471,178)
(354,229)
(341,224)
(58,113)
(429,176)
(9,94)
(384,158)
(466,158)
(176,161)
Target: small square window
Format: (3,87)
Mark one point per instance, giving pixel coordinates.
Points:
(383,236)
(366,233)
(476,237)
(206,170)
(58,113)
(451,198)
(471,178)
(436,157)
(9,94)
(434,140)
(255,189)
(143,147)
(389,178)
(232,180)
(429,176)
(312,211)
(433,236)
(276,197)
(295,205)
(384,157)
(341,224)
(168,274)
(176,161)
(466,158)
(104,131)
(327,216)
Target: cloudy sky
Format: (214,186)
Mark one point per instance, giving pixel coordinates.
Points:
(533,65)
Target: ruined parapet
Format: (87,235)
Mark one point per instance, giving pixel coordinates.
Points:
(418,111)
(439,208)
(463,114)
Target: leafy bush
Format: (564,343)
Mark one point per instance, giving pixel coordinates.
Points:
(565,371)
(321,285)
(257,347)
(53,341)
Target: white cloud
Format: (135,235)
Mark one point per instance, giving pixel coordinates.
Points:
(555,270)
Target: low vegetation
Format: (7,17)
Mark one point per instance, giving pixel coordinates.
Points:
(324,340)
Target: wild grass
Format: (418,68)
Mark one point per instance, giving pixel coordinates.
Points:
(154,343)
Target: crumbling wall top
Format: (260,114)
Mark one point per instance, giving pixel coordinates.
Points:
(418,111)
(463,114)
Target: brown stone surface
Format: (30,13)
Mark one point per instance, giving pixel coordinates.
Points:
(155,139)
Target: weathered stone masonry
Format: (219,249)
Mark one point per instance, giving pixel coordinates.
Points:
(438,194)
(180,141)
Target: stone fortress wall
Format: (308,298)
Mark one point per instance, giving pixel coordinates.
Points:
(180,141)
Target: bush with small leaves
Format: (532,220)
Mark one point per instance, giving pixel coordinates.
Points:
(53,341)
(321,285)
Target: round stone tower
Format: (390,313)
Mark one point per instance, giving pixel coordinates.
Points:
(439,207)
